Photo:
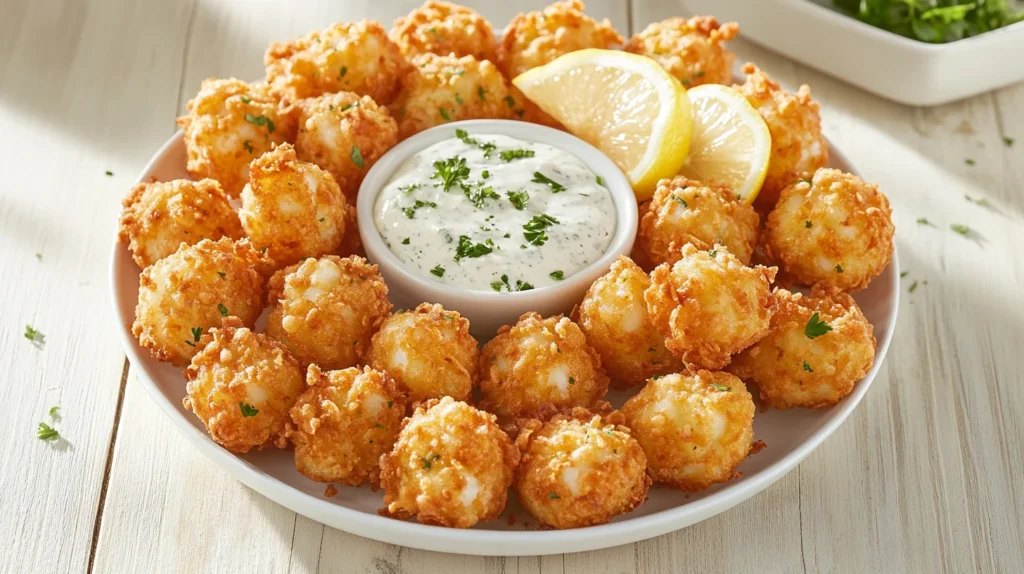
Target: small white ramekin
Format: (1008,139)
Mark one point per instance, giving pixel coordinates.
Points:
(487,311)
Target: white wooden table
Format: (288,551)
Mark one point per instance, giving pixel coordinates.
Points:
(926,476)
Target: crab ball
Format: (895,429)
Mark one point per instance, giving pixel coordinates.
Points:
(695,427)
(579,470)
(229,123)
(691,50)
(834,228)
(444,28)
(325,310)
(345,135)
(348,57)
(818,347)
(538,366)
(441,89)
(241,384)
(428,351)
(292,208)
(343,423)
(451,466)
(684,211)
(794,121)
(613,316)
(157,217)
(351,242)
(186,293)
(708,305)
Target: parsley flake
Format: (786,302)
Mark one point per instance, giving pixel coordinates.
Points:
(808,368)
(553,496)
(572,380)
(444,114)
(808,224)
(557,275)
(600,181)
(223,310)
(410,212)
(904,274)
(410,188)
(34,335)
(248,410)
(534,229)
(478,194)
(357,156)
(518,199)
(722,388)
(504,283)
(55,412)
(481,93)
(468,249)
(839,268)
(511,154)
(680,201)
(350,106)
(452,171)
(261,121)
(913,287)
(1008,141)
(539,177)
(969,161)
(47,433)
(405,241)
(511,102)
(923,221)
(712,253)
(816,327)
(960,228)
(438,271)
(246,99)
(222,274)
(247,144)
(486,147)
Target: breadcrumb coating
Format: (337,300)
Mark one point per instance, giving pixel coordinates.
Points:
(343,423)
(325,310)
(186,293)
(347,57)
(157,217)
(791,369)
(241,384)
(708,305)
(834,228)
(695,427)
(292,208)
(444,28)
(452,466)
(229,123)
(691,50)
(345,135)
(613,316)
(684,211)
(538,366)
(428,351)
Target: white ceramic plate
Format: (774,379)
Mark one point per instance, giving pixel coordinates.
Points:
(790,436)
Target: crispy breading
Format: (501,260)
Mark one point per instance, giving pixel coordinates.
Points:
(444,28)
(691,50)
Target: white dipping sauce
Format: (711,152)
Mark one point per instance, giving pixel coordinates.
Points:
(473,236)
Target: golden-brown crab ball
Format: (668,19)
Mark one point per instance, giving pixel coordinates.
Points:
(695,427)
(794,121)
(708,305)
(538,366)
(344,134)
(351,57)
(242,384)
(157,217)
(229,123)
(343,423)
(579,470)
(613,316)
(451,466)
(186,293)
(292,208)
(444,28)
(351,243)
(833,228)
(691,50)
(818,347)
(441,89)
(428,351)
(325,310)
(684,211)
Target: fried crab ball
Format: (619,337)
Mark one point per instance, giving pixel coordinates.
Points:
(428,351)
(538,366)
(613,316)
(818,347)
(348,57)
(440,89)
(684,211)
(292,208)
(708,305)
(186,293)
(833,228)
(343,423)
(157,217)
(691,50)
(325,310)
(579,470)
(444,28)
(695,427)
(794,122)
(345,135)
(241,384)
(452,466)
(229,123)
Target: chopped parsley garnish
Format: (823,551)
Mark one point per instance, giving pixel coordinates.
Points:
(680,201)
(39,256)
(904,274)
(808,224)
(816,327)
(222,274)
(410,212)
(223,310)
(261,121)
(486,147)
(511,102)
(969,161)
(1008,141)
(485,174)
(600,181)
(437,270)
(572,380)
(444,114)
(34,335)
(248,410)
(722,388)
(533,230)
(246,99)
(518,199)
(428,459)
(350,106)
(511,154)
(405,241)
(557,275)
(712,253)
(410,188)
(196,333)
(553,495)
(452,171)
(481,93)
(982,202)
(342,71)
(913,287)
(960,228)
(47,433)
(539,177)
(468,249)
(807,367)
(478,194)
(923,221)
(519,286)
(54,412)
(839,268)
(357,156)
(458,98)
(247,144)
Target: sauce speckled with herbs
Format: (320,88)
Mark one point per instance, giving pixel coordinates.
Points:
(489,212)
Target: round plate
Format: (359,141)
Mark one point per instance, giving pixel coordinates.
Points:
(790,436)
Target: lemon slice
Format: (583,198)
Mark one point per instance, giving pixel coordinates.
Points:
(730,144)
(626,105)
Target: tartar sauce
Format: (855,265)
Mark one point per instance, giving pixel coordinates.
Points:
(491,212)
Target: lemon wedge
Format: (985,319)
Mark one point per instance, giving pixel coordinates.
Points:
(626,105)
(730,144)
